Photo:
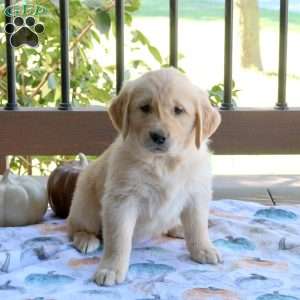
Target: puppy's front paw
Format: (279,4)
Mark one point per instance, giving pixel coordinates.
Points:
(86,242)
(108,276)
(207,255)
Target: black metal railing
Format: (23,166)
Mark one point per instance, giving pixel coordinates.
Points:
(65,66)
(173,33)
(284,10)
(11,69)
(120,43)
(119,11)
(227,99)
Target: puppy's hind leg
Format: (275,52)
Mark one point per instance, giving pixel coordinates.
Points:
(84,223)
(176,232)
(85,242)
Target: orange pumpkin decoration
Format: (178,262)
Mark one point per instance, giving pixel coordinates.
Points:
(61,185)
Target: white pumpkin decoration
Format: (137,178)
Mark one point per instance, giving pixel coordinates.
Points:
(23,200)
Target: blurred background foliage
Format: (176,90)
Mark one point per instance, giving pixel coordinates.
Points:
(92,24)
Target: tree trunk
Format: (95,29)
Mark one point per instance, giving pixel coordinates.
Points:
(249,32)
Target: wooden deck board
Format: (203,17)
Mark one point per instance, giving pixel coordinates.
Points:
(29,131)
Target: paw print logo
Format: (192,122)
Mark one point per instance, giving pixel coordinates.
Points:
(24,31)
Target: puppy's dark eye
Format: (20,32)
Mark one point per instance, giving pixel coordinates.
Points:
(178,110)
(146,109)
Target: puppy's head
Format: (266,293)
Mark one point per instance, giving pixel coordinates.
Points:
(163,112)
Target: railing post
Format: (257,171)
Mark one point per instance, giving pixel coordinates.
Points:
(3,164)
(281,100)
(119,43)
(227,99)
(65,65)
(11,70)
(173,33)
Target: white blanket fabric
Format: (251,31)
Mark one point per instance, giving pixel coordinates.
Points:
(260,247)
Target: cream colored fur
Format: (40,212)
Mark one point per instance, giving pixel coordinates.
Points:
(134,192)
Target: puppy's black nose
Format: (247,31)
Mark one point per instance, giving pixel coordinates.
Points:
(157,137)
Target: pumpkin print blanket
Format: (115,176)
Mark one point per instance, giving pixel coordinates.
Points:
(260,246)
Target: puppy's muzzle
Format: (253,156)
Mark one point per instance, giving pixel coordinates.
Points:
(158,141)
(158,137)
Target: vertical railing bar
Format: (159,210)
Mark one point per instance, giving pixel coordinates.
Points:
(174,33)
(282,66)
(227,99)
(65,65)
(119,43)
(3,164)
(11,69)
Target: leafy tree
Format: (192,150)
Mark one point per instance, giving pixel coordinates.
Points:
(216,94)
(91,27)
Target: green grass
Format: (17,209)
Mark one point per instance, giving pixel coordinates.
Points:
(191,9)
(204,10)
(271,18)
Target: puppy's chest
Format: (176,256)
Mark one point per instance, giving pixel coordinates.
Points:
(161,204)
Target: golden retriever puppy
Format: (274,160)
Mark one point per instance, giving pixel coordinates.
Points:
(156,173)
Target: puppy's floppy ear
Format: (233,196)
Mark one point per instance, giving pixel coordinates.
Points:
(207,119)
(118,110)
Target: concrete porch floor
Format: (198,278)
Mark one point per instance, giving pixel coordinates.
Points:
(284,189)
